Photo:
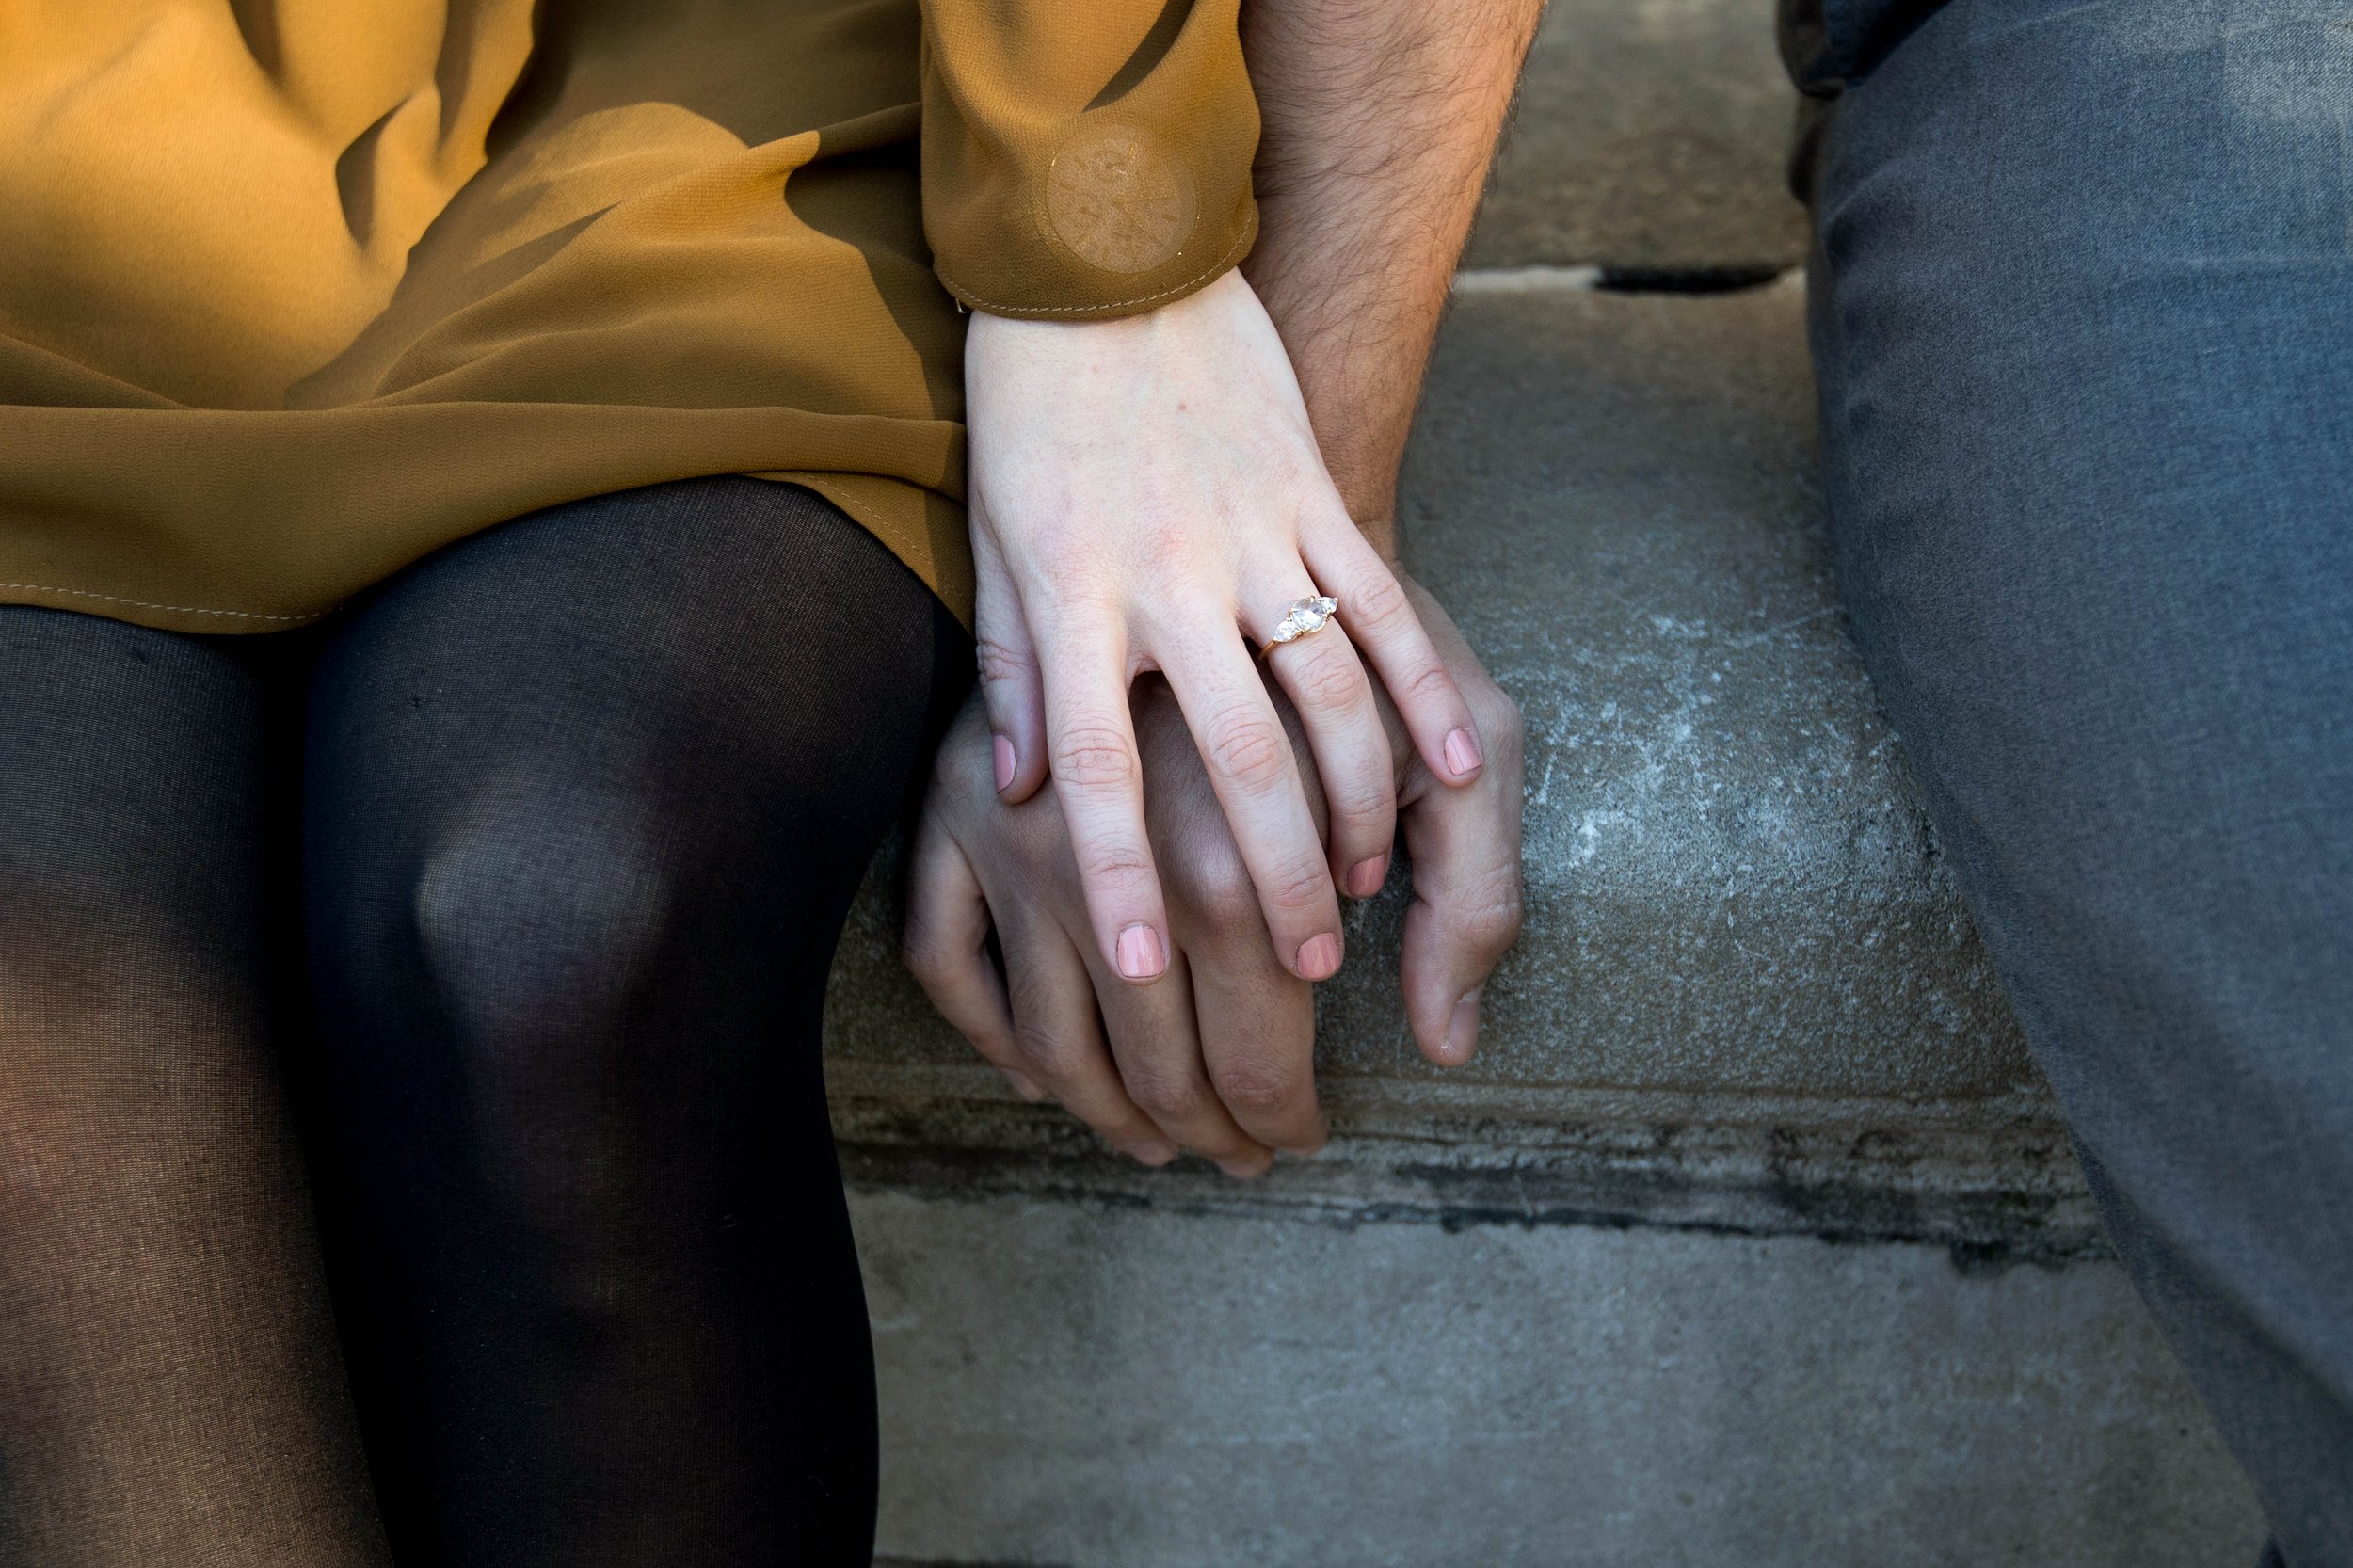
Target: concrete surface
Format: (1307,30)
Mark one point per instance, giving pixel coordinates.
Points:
(1749,1240)
(1650,136)
(1096,1386)
(1747,996)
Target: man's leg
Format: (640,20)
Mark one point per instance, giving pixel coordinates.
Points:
(2082,304)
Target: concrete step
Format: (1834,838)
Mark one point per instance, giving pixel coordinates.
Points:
(1090,1385)
(1651,136)
(1751,1238)
(1746,996)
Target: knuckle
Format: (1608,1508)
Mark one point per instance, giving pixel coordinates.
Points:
(1288,480)
(1331,678)
(1168,546)
(1045,1054)
(1258,1086)
(1364,790)
(1250,751)
(1065,571)
(1368,802)
(994,1048)
(1213,888)
(960,776)
(1378,603)
(1093,756)
(963,757)
(1298,884)
(953,788)
(1001,660)
(1427,681)
(1486,915)
(1114,861)
(1163,1093)
(1496,713)
(923,953)
(929,945)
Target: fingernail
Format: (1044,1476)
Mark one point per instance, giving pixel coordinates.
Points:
(1365,876)
(1005,761)
(1461,752)
(1318,956)
(1155,1152)
(1241,1170)
(1023,1084)
(1141,956)
(1461,1029)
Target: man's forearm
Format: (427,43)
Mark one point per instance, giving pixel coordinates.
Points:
(1381,117)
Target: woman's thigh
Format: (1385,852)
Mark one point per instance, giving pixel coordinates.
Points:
(588,795)
(2082,303)
(162,1315)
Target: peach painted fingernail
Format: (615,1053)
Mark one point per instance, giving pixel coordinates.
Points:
(1023,1084)
(1461,752)
(1242,1170)
(1319,957)
(1141,956)
(1004,761)
(1365,876)
(1461,1029)
(1155,1152)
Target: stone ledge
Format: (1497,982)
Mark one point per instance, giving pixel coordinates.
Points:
(1993,1183)
(1650,135)
(1747,997)
(1094,1386)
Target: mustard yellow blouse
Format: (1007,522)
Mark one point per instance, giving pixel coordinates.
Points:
(293,292)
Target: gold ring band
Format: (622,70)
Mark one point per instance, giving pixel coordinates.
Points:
(1303,618)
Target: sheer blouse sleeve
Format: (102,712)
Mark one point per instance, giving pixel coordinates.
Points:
(1086,159)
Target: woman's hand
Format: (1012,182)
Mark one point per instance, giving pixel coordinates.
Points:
(1220,1060)
(1145,494)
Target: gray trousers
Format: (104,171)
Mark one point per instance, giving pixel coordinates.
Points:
(2082,314)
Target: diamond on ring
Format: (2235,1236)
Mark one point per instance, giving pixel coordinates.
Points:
(1305,616)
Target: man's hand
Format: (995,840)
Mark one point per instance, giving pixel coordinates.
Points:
(1465,849)
(1220,1061)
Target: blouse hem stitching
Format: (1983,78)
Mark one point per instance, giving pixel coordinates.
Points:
(149,604)
(1207,274)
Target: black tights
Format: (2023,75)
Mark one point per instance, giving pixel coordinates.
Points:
(567,818)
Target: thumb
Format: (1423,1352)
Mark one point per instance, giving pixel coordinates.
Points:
(1466,855)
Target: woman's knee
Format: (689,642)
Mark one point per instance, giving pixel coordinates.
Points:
(581,999)
(498,983)
(537,919)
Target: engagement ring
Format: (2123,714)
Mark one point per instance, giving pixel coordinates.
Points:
(1304,617)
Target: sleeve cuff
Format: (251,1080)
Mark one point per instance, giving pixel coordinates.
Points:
(1048,193)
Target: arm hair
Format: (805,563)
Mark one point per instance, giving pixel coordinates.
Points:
(1381,119)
